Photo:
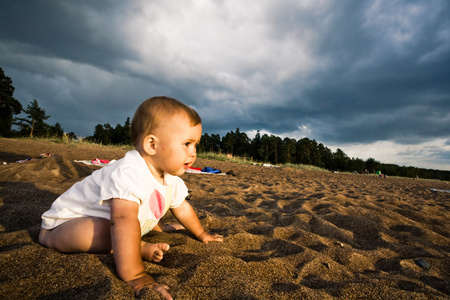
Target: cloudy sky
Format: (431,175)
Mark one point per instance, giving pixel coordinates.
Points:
(369,77)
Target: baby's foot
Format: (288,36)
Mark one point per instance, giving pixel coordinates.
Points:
(153,252)
(172,227)
(162,227)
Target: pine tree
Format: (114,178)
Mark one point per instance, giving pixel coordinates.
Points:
(34,124)
(9,106)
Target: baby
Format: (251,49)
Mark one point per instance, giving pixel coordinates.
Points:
(110,210)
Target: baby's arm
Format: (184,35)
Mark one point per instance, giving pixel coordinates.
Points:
(126,245)
(185,214)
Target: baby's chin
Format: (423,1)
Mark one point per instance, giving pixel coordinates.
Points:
(179,172)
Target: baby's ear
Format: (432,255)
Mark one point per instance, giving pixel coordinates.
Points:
(149,144)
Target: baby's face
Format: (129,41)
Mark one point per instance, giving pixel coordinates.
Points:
(177,145)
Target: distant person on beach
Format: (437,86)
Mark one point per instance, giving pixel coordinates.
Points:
(110,210)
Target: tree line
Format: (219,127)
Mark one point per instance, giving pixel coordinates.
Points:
(275,150)
(33,124)
(305,151)
(262,148)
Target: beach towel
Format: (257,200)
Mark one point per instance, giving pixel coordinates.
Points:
(24,160)
(436,190)
(206,170)
(194,170)
(211,170)
(96,162)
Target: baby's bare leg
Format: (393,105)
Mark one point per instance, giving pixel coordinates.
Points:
(92,235)
(88,234)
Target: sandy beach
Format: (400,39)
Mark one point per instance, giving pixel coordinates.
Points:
(288,233)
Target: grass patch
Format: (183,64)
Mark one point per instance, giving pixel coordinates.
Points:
(305,167)
(74,143)
(224,157)
(248,161)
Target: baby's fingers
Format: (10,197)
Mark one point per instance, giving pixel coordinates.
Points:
(218,237)
(162,289)
(159,288)
(213,238)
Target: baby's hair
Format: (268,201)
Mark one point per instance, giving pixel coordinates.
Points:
(149,114)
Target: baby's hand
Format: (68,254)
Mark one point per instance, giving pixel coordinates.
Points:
(148,281)
(206,237)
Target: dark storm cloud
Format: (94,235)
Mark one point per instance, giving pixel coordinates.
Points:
(81,31)
(375,87)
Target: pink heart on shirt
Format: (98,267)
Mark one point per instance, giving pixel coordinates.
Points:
(157,204)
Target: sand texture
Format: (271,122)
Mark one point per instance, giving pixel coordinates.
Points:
(288,234)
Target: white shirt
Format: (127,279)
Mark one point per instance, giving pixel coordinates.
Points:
(130,179)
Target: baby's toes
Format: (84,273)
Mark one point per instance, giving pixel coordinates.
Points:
(158,255)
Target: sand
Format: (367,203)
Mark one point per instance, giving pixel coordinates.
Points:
(288,234)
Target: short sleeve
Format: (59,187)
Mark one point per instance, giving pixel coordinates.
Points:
(180,192)
(124,183)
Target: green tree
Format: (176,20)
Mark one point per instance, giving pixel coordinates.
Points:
(255,145)
(288,150)
(102,134)
(9,106)
(275,147)
(209,143)
(204,143)
(357,164)
(341,160)
(34,124)
(305,151)
(106,134)
(99,134)
(372,165)
(126,136)
(56,130)
(264,149)
(71,135)
(229,143)
(242,143)
(314,153)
